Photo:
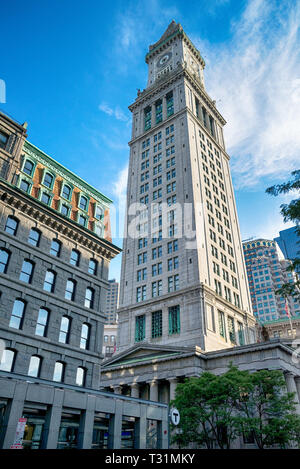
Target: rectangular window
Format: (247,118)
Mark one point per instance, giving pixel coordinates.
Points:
(140,328)
(158,111)
(156,324)
(231,330)
(222,329)
(147,118)
(174,320)
(241,334)
(3,140)
(170,104)
(210,319)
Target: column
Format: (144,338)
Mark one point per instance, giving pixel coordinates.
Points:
(173,383)
(15,412)
(52,422)
(297,381)
(291,387)
(115,427)
(153,390)
(86,426)
(164,430)
(135,390)
(141,429)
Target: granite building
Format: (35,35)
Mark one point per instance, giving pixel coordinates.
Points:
(112,302)
(55,251)
(183,277)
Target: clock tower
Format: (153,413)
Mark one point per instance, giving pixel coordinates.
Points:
(183,278)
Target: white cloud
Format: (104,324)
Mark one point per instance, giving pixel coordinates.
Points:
(255,78)
(119,191)
(115,112)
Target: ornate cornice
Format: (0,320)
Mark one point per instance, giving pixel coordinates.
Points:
(48,216)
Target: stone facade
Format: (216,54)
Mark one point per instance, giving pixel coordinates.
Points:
(53,284)
(183,278)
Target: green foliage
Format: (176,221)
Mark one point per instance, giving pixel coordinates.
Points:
(215,410)
(290,212)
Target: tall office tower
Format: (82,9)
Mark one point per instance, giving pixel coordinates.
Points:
(266,270)
(289,243)
(112,302)
(183,278)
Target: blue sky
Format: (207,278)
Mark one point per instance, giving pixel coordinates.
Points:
(71,69)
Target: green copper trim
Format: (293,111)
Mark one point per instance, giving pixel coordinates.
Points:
(33,151)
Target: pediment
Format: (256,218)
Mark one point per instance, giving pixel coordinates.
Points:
(143,353)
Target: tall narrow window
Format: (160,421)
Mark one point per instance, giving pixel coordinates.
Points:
(4,259)
(222,329)
(28,167)
(64,332)
(80,376)
(42,322)
(211,126)
(93,267)
(241,334)
(147,117)
(55,248)
(3,140)
(204,116)
(170,104)
(49,282)
(75,256)
(34,237)
(89,298)
(34,366)
(99,212)
(231,330)
(140,328)
(25,186)
(174,320)
(17,314)
(85,336)
(11,225)
(158,111)
(48,180)
(27,271)
(7,360)
(156,324)
(70,290)
(66,192)
(83,202)
(58,374)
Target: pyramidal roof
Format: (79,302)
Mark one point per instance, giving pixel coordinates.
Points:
(171,29)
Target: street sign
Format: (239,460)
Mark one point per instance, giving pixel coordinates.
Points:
(175,416)
(17,444)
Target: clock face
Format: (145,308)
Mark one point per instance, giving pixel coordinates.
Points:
(162,61)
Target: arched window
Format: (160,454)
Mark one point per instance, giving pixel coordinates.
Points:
(49,282)
(58,374)
(80,376)
(28,167)
(17,314)
(85,336)
(27,271)
(7,360)
(64,332)
(34,237)
(66,192)
(89,298)
(83,203)
(11,225)
(55,248)
(4,259)
(48,180)
(93,267)
(34,366)
(75,256)
(42,321)
(70,290)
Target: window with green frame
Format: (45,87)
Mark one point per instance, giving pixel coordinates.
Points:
(140,328)
(147,116)
(28,167)
(158,111)
(174,320)
(66,191)
(156,324)
(46,198)
(231,329)
(222,330)
(241,334)
(170,104)
(25,185)
(48,180)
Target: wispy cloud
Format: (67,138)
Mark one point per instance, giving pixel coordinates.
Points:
(255,79)
(114,112)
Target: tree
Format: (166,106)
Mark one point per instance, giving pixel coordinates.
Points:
(215,410)
(290,212)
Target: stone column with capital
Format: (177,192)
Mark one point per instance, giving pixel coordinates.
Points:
(291,387)
(153,390)
(135,390)
(173,383)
